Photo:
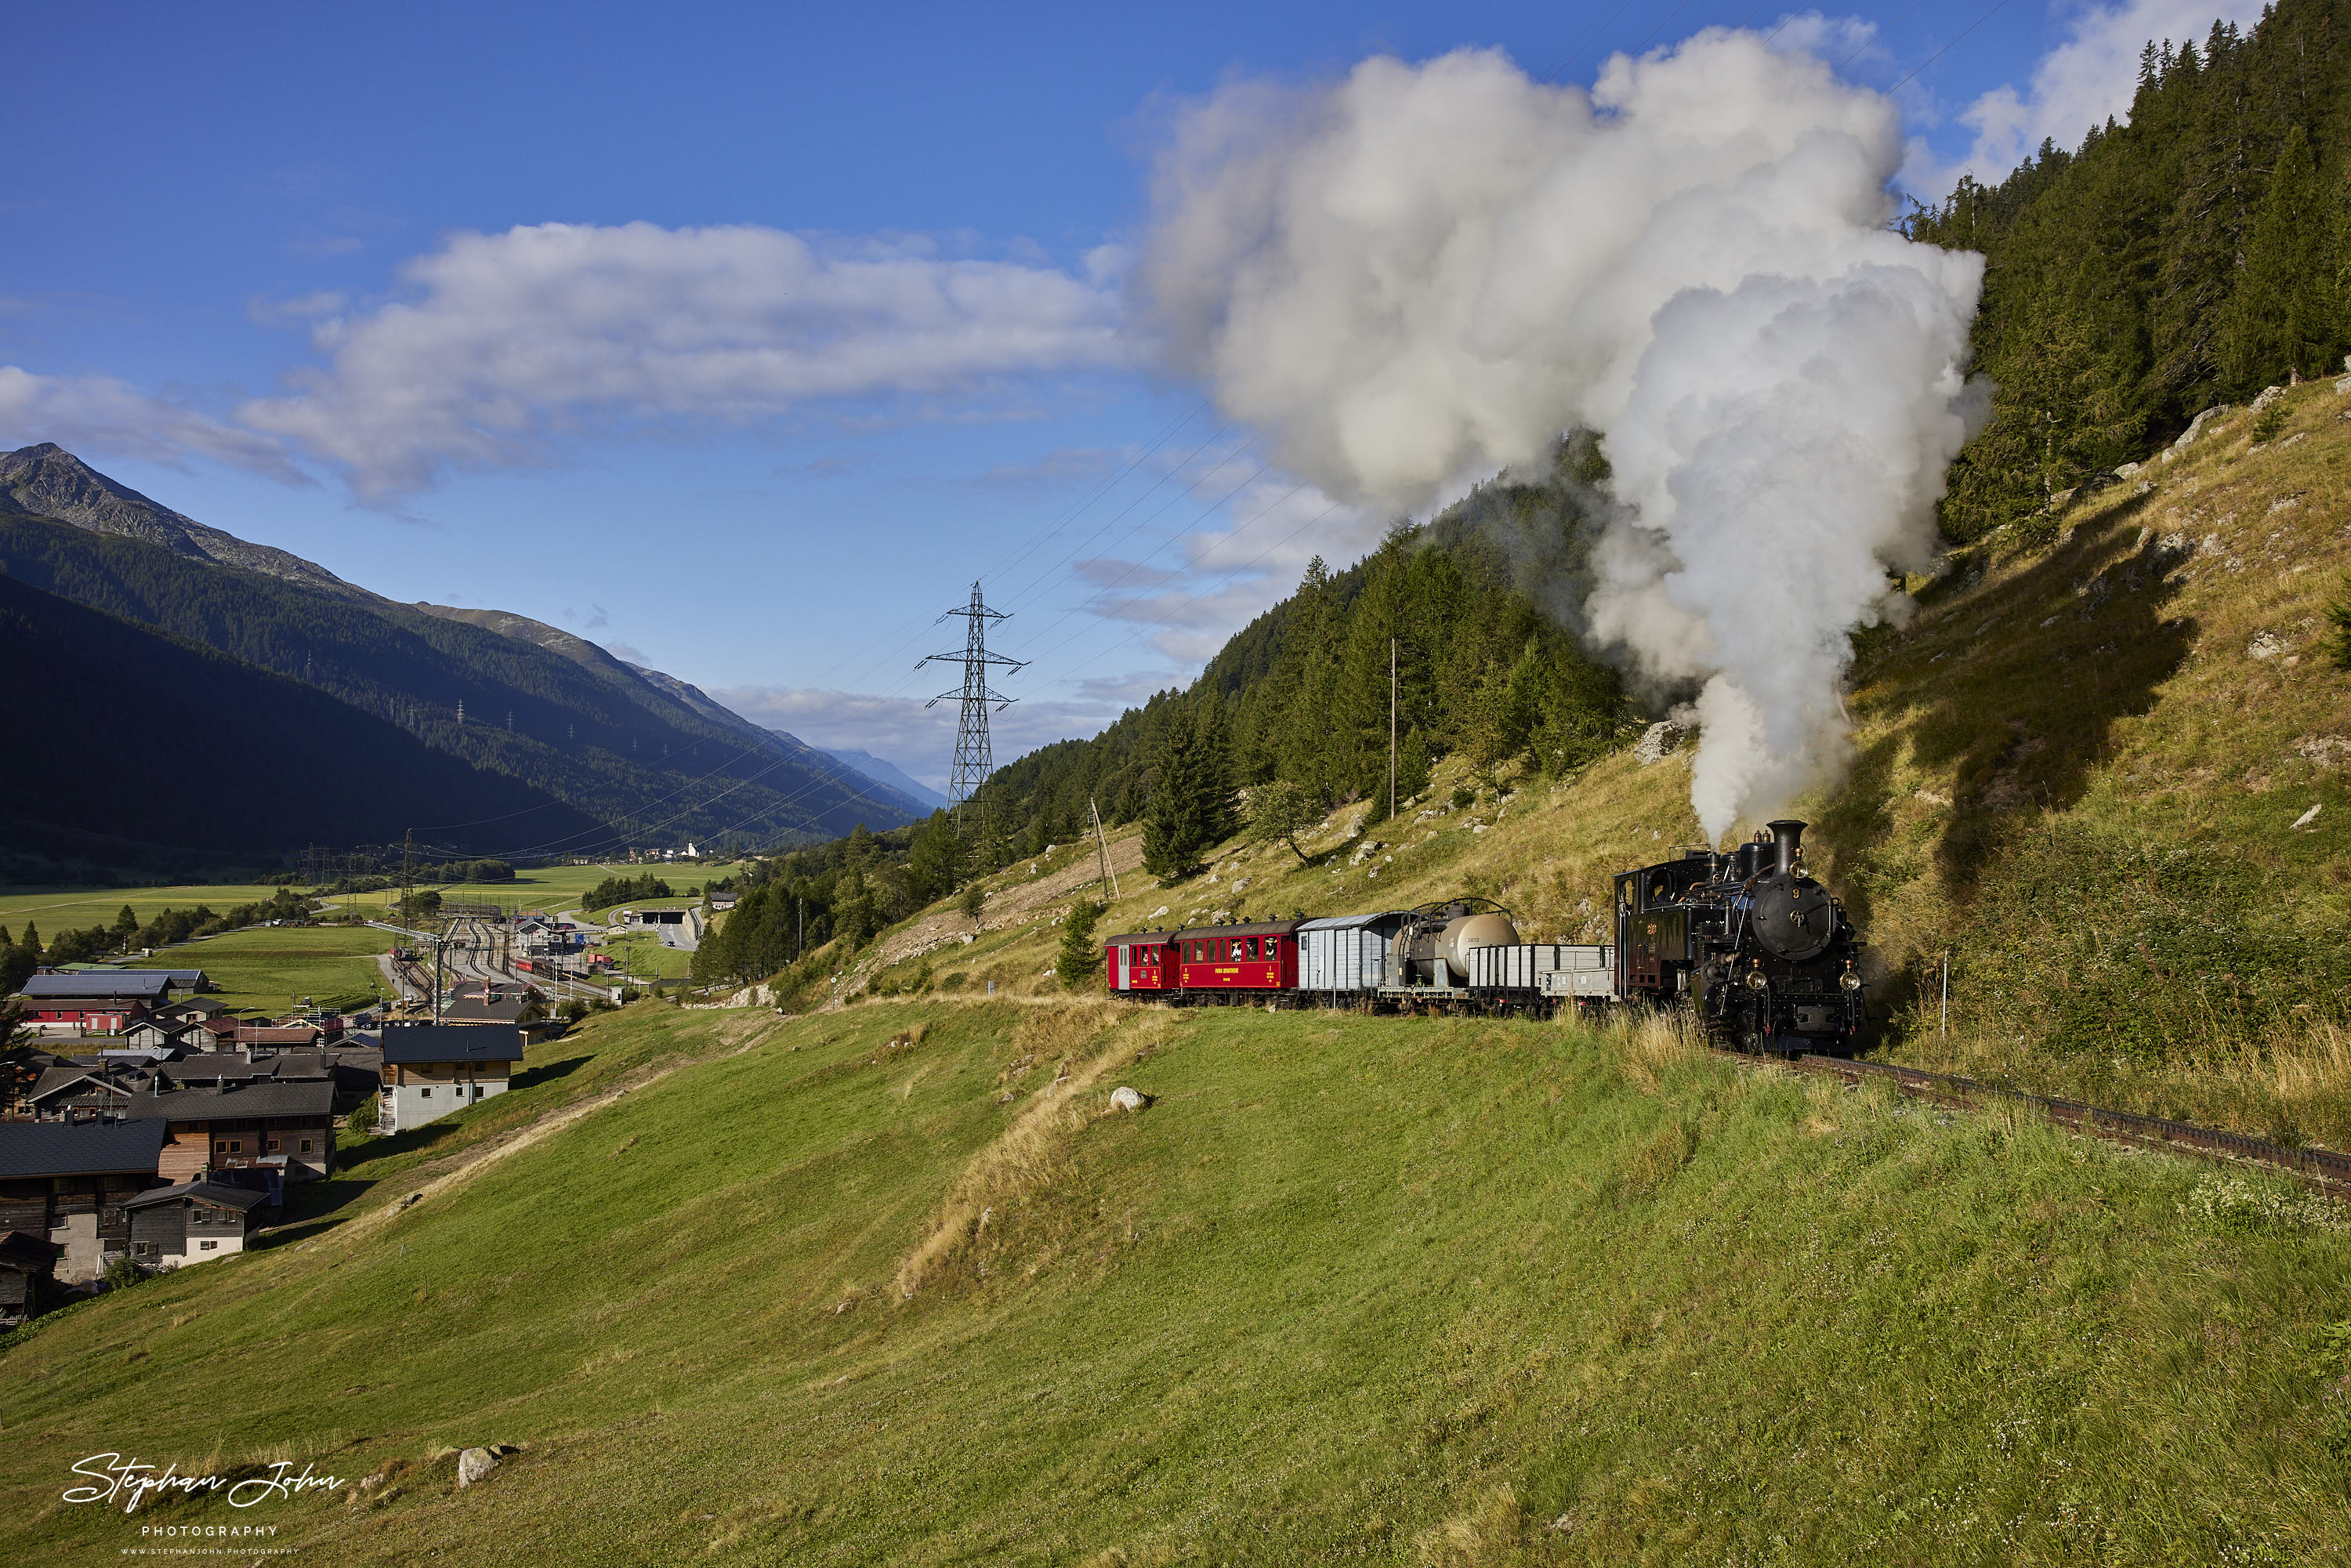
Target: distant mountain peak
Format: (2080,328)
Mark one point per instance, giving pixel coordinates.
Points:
(47,481)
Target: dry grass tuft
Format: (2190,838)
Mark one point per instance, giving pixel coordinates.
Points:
(1085,1039)
(1487,1533)
(1647,1045)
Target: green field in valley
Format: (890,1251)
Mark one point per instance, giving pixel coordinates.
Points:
(72,908)
(643,955)
(1389,1290)
(269,967)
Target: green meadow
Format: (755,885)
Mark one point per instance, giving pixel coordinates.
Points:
(897,1284)
(269,967)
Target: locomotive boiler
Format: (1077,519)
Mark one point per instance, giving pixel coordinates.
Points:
(1761,952)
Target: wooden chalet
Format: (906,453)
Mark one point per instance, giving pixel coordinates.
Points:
(66,1182)
(285,1128)
(193,1222)
(26,1263)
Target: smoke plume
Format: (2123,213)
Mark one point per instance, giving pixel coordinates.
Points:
(1422,274)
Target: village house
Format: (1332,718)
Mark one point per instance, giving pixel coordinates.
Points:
(68,1182)
(82,1092)
(91,1002)
(195,1222)
(430,1069)
(160,1032)
(269,1127)
(191,1010)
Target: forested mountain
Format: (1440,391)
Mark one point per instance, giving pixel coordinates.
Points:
(596,735)
(1301,693)
(878,800)
(2189,258)
(134,748)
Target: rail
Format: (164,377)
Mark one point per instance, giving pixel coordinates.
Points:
(2324,1168)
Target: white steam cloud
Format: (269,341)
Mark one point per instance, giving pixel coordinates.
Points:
(1425,273)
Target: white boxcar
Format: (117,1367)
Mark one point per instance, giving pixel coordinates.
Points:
(1547,968)
(1346,953)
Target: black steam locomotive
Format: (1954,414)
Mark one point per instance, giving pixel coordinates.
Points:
(1758,949)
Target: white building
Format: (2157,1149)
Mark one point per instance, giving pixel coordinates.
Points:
(430,1069)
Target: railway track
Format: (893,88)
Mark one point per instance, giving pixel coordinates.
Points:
(2323,1170)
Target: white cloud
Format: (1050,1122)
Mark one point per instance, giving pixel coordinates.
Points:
(88,414)
(2076,87)
(507,342)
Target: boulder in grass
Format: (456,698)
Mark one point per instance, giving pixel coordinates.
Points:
(474,1465)
(1127,1098)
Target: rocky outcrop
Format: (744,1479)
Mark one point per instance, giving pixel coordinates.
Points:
(50,482)
(1659,741)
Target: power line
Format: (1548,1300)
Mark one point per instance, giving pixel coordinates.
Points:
(1946,49)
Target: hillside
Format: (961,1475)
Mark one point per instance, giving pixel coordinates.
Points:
(137,748)
(591,733)
(47,481)
(1400,1290)
(2104,768)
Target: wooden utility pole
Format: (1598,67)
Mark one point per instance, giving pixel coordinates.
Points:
(1392,715)
(1101,847)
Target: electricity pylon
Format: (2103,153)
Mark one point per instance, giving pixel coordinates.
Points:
(972,759)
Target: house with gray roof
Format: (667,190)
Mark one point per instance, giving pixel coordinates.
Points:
(430,1069)
(285,1128)
(193,1222)
(66,1181)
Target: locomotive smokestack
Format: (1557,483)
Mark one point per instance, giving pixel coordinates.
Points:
(1789,836)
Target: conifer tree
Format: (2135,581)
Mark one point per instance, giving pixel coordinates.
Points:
(1080,960)
(1176,831)
(2282,318)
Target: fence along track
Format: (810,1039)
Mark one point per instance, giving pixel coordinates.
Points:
(2323,1169)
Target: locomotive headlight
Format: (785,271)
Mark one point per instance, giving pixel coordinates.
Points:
(1849,980)
(1756,982)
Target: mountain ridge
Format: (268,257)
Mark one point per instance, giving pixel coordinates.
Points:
(47,481)
(883,772)
(650,757)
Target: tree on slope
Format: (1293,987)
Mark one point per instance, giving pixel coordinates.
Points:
(1280,810)
(2283,320)
(1081,957)
(1191,799)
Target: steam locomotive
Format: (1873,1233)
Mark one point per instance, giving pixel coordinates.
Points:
(1762,952)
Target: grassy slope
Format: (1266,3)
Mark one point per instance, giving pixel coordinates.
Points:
(2071,770)
(1386,1290)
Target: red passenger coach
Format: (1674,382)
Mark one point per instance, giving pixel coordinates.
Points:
(1216,963)
(1142,962)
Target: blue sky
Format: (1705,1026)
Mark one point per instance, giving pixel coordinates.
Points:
(259,265)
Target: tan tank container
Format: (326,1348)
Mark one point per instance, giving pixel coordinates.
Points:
(1469,931)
